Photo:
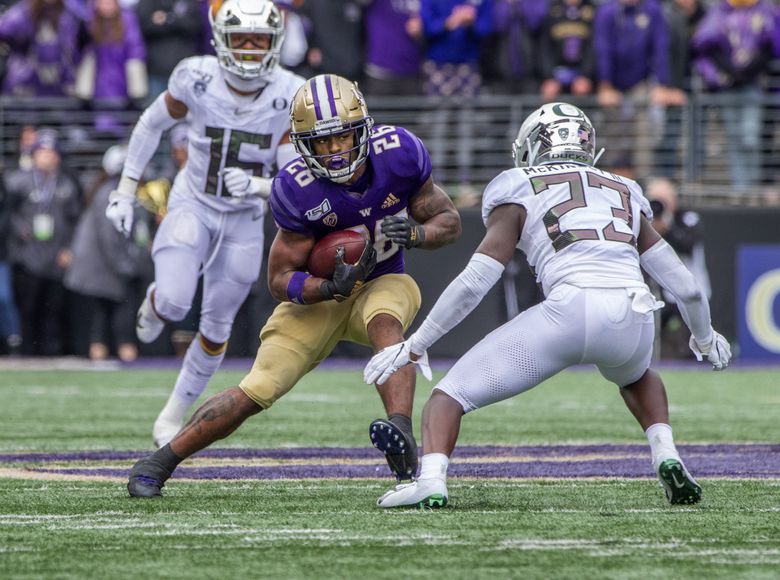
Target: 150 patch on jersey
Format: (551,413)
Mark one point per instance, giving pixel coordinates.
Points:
(316,213)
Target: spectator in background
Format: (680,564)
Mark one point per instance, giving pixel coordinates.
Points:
(27,135)
(42,36)
(113,68)
(566,50)
(107,268)
(454,31)
(172,31)
(205,41)
(509,58)
(393,31)
(335,38)
(295,45)
(682,230)
(631,43)
(46,202)
(683,17)
(733,48)
(10,330)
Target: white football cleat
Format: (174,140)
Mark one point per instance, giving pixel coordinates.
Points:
(148,325)
(164,431)
(423,493)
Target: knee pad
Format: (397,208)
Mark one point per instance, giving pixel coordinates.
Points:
(169,308)
(213,329)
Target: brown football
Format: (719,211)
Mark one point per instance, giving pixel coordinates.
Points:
(322,259)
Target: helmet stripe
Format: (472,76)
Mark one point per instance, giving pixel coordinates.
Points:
(316,98)
(329,90)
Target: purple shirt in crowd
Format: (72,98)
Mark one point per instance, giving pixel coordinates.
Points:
(388,46)
(397,167)
(516,19)
(111,80)
(732,41)
(41,63)
(631,44)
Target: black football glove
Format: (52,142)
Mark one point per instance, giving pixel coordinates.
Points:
(347,277)
(403,232)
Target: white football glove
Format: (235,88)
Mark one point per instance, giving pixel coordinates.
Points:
(121,204)
(390,359)
(718,352)
(240,184)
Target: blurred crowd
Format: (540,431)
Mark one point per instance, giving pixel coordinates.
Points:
(637,61)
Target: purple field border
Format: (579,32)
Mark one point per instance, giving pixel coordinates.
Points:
(760,461)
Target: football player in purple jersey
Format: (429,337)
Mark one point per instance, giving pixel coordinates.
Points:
(350,175)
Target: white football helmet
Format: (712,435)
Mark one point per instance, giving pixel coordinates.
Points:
(326,105)
(555,132)
(248,68)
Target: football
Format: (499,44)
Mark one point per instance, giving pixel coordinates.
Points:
(322,259)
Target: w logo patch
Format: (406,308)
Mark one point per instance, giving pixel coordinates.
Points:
(390,201)
(365,212)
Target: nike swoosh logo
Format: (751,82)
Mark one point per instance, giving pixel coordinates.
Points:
(677,484)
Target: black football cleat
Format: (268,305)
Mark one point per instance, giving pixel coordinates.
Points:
(147,478)
(400,448)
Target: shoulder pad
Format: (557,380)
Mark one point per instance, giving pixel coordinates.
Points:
(510,186)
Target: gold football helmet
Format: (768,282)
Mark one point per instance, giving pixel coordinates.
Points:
(327,105)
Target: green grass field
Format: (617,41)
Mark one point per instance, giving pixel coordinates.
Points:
(82,527)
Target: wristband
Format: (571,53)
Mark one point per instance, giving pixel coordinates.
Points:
(127,186)
(295,287)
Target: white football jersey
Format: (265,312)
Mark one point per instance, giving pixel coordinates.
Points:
(227,130)
(581,226)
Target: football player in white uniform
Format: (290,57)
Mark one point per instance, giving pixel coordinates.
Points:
(237,106)
(586,233)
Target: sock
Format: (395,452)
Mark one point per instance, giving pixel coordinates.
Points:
(661,442)
(166,458)
(196,371)
(403,422)
(434,465)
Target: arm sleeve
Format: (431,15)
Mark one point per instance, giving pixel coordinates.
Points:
(456,302)
(665,267)
(146,137)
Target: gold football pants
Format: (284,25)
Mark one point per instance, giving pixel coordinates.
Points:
(298,337)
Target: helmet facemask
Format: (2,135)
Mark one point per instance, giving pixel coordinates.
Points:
(252,65)
(325,106)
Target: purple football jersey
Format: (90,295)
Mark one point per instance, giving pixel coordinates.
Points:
(398,165)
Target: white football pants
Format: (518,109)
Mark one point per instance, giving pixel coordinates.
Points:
(573,326)
(187,240)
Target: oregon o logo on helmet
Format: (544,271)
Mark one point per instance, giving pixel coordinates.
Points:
(759,308)
(280,104)
(566,110)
